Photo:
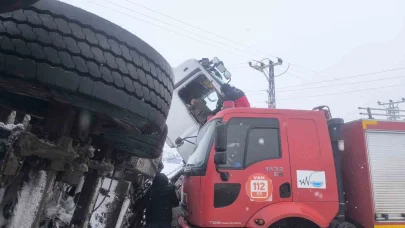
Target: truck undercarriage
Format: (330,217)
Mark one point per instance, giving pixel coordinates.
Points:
(83,106)
(84,116)
(57,179)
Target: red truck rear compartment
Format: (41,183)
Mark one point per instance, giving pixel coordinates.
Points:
(356,171)
(356,176)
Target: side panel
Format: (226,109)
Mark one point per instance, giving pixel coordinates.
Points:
(356,177)
(312,165)
(386,154)
(361,166)
(190,198)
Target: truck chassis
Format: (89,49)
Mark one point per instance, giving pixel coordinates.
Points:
(83,107)
(46,182)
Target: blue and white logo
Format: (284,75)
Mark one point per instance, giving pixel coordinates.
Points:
(311,179)
(317,179)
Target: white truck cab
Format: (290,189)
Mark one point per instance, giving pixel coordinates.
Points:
(194,79)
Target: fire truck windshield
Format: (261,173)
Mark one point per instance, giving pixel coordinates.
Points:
(203,145)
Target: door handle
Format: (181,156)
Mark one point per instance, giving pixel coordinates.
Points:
(285,190)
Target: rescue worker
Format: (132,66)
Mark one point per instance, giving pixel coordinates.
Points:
(236,95)
(162,198)
(200,110)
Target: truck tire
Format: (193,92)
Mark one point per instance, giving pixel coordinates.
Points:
(91,63)
(11,5)
(146,146)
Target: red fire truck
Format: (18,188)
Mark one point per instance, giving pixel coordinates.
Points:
(291,168)
(373,172)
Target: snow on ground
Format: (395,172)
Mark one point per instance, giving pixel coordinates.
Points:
(57,207)
(103,203)
(12,126)
(29,199)
(123,211)
(172,162)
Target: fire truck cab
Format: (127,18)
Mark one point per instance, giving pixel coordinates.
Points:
(256,167)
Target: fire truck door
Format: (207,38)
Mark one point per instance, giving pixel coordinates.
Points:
(258,168)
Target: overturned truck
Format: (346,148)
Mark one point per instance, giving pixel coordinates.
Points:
(83,108)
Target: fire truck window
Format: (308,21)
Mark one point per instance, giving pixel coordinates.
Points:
(238,129)
(262,144)
(236,145)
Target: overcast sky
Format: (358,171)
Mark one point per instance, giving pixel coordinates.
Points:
(321,40)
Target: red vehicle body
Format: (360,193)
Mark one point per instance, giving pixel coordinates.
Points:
(304,145)
(288,175)
(368,203)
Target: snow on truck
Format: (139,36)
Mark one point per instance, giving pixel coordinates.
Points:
(83,106)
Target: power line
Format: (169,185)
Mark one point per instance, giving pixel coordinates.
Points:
(238,64)
(255,91)
(185,30)
(241,68)
(189,37)
(165,15)
(349,83)
(353,76)
(297,76)
(153,18)
(178,27)
(214,34)
(353,91)
(216,41)
(288,67)
(321,87)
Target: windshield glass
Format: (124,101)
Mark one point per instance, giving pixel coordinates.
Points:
(203,144)
(218,79)
(211,100)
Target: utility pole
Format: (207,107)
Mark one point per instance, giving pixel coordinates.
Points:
(262,66)
(391,108)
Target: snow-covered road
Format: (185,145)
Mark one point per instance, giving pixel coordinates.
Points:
(172,162)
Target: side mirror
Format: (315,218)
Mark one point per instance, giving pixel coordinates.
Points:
(221,68)
(215,60)
(220,158)
(221,137)
(179,141)
(227,75)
